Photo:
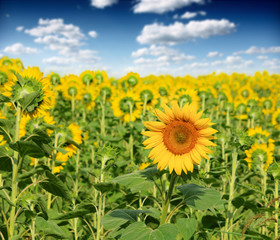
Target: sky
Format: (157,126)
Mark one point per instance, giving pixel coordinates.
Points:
(176,37)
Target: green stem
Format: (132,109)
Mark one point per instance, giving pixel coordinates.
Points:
(131,132)
(103,115)
(168,197)
(14,177)
(228,118)
(144,105)
(276,196)
(229,219)
(101,202)
(73,105)
(203,102)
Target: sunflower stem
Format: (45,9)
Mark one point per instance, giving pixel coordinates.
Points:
(165,205)
(131,132)
(73,105)
(229,219)
(276,196)
(144,105)
(203,102)
(14,177)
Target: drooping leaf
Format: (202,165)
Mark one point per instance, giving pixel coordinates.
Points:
(27,148)
(5,127)
(55,186)
(4,98)
(28,99)
(104,187)
(5,160)
(199,197)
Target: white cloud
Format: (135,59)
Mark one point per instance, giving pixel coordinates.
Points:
(103,3)
(178,32)
(19,48)
(20,28)
(214,54)
(93,34)
(1,55)
(262,57)
(273,64)
(188,15)
(259,50)
(162,6)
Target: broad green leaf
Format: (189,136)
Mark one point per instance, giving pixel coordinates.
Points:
(28,148)
(5,160)
(5,198)
(55,186)
(199,197)
(139,231)
(43,207)
(120,216)
(28,99)
(80,211)
(274,169)
(5,127)
(136,181)
(39,136)
(187,227)
(50,228)
(38,170)
(104,187)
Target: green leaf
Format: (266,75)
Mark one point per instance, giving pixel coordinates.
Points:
(104,187)
(5,160)
(5,198)
(27,148)
(274,170)
(3,230)
(120,216)
(38,135)
(4,98)
(55,186)
(38,170)
(139,231)
(5,127)
(80,211)
(199,197)
(28,99)
(136,181)
(187,227)
(50,228)
(43,206)
(71,141)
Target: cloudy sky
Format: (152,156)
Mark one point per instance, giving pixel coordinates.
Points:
(176,37)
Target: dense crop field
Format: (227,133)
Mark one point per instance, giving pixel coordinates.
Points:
(156,158)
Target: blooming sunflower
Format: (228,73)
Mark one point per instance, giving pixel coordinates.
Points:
(88,97)
(70,86)
(6,81)
(100,77)
(180,139)
(130,80)
(260,135)
(73,131)
(127,106)
(32,81)
(87,77)
(260,155)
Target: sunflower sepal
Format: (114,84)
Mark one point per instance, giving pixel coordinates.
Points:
(28,100)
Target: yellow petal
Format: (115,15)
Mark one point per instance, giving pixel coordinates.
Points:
(171,163)
(207,131)
(150,133)
(178,165)
(195,159)
(176,110)
(155,139)
(154,126)
(188,162)
(162,116)
(202,123)
(168,112)
(205,142)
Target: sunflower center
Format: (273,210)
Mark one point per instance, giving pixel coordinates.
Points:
(180,137)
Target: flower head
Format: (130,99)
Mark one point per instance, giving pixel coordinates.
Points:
(180,139)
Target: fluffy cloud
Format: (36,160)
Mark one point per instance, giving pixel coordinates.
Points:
(273,64)
(262,57)
(178,32)
(19,48)
(93,34)
(19,28)
(103,3)
(188,15)
(162,6)
(259,50)
(214,54)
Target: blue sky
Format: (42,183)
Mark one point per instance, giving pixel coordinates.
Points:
(176,37)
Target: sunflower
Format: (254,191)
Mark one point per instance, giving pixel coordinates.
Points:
(28,124)
(74,132)
(88,97)
(127,105)
(87,77)
(14,65)
(105,91)
(260,135)
(6,81)
(100,77)
(32,81)
(187,96)
(260,155)
(54,78)
(276,119)
(180,139)
(69,87)
(2,141)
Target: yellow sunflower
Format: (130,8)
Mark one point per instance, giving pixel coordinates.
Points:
(127,106)
(100,77)
(70,86)
(32,81)
(88,97)
(87,77)
(276,119)
(180,139)
(130,80)
(73,131)
(260,155)
(6,81)
(260,135)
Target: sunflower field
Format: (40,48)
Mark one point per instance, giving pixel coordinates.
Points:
(142,158)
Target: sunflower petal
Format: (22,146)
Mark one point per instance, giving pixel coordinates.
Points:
(154,126)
